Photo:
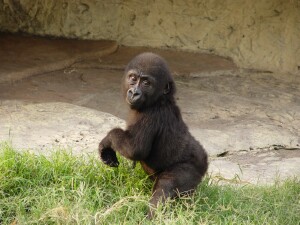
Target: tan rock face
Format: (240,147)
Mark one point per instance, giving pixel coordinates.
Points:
(256,34)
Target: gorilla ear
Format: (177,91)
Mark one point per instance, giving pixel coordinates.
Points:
(167,88)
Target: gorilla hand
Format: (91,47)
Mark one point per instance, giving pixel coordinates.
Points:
(108,155)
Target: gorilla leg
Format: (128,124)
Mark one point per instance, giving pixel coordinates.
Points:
(181,179)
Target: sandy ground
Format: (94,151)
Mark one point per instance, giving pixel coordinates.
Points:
(249,121)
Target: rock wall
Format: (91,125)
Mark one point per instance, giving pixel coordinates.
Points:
(256,34)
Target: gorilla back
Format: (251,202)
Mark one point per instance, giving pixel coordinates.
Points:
(156,135)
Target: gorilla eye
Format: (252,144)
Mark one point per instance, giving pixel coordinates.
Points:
(132,77)
(146,82)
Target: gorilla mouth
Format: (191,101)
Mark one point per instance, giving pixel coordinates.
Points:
(133,103)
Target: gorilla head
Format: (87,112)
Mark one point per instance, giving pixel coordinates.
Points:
(147,80)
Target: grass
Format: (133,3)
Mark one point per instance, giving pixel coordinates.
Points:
(66,189)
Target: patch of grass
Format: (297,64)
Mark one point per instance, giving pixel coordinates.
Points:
(67,189)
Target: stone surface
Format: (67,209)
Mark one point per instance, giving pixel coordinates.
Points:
(227,110)
(250,119)
(255,34)
(45,126)
(23,56)
(256,167)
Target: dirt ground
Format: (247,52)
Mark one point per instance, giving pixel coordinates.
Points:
(249,121)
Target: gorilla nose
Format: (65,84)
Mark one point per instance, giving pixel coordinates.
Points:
(134,93)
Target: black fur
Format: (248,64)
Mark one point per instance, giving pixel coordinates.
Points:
(156,135)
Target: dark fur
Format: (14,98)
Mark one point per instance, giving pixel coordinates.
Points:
(156,135)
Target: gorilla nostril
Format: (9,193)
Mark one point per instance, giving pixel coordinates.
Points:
(136,94)
(130,93)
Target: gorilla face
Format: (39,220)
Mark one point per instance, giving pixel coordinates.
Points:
(147,80)
(141,89)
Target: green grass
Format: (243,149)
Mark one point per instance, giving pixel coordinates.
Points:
(66,189)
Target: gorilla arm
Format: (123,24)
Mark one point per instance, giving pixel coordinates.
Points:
(134,143)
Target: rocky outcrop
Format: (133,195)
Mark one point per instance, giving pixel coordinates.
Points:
(263,35)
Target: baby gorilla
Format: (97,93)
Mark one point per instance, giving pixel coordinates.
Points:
(156,135)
